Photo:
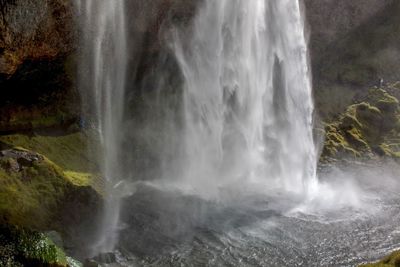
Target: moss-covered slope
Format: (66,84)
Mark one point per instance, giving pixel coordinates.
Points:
(393,260)
(73,152)
(21,247)
(48,182)
(367,129)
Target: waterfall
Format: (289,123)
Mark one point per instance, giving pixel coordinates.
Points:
(102,75)
(247,97)
(245,113)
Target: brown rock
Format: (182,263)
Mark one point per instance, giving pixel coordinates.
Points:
(33,29)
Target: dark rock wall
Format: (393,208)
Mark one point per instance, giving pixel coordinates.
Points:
(34,30)
(358,57)
(37,42)
(331,20)
(352,44)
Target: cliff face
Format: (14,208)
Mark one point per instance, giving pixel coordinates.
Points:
(34,30)
(43,29)
(331,20)
(36,44)
(354,44)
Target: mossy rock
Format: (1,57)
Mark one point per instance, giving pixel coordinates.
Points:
(23,247)
(33,195)
(69,151)
(30,196)
(58,191)
(369,128)
(393,260)
(355,137)
(338,144)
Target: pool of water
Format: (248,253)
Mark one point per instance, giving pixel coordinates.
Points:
(170,228)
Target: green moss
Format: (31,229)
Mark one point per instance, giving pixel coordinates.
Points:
(34,192)
(356,138)
(393,260)
(389,150)
(45,193)
(23,247)
(349,120)
(337,143)
(69,151)
(376,95)
(36,246)
(85,179)
(367,128)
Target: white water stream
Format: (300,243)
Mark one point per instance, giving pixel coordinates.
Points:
(247,97)
(247,100)
(102,82)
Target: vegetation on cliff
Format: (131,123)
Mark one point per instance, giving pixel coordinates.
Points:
(21,247)
(46,183)
(367,129)
(393,260)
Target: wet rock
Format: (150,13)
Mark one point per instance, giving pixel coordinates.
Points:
(24,247)
(15,160)
(90,263)
(106,258)
(11,165)
(78,212)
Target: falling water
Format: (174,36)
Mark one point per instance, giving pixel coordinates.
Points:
(102,82)
(247,97)
(243,117)
(247,102)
